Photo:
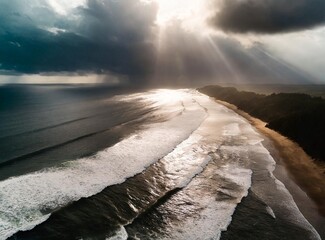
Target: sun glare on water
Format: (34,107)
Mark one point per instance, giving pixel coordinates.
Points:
(167,96)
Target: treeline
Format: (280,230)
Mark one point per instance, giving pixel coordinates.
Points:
(299,117)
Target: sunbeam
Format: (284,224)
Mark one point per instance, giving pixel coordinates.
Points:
(224,60)
(281,62)
(154,119)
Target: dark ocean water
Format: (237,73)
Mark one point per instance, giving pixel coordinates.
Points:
(46,120)
(94,162)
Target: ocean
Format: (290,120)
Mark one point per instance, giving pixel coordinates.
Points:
(97,162)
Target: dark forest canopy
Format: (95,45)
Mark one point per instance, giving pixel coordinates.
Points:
(298,116)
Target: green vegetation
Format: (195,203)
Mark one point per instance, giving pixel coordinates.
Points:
(300,117)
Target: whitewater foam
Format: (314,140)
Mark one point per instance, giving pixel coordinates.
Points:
(224,140)
(206,205)
(278,199)
(27,200)
(121,234)
(202,215)
(270,211)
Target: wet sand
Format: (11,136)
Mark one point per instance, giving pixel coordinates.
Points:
(302,176)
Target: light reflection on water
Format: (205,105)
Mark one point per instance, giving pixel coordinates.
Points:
(191,193)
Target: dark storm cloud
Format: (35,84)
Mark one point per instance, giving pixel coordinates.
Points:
(118,38)
(268,16)
(103,36)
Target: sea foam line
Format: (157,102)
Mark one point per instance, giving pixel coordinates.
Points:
(28,200)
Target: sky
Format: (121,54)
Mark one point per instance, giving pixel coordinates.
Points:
(162,42)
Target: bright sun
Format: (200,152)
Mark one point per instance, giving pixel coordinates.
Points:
(191,13)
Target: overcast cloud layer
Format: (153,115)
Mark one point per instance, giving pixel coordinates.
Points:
(102,36)
(268,16)
(121,38)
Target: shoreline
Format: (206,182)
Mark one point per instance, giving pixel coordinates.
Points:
(303,177)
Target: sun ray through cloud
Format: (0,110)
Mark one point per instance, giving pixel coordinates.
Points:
(158,119)
(225,61)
